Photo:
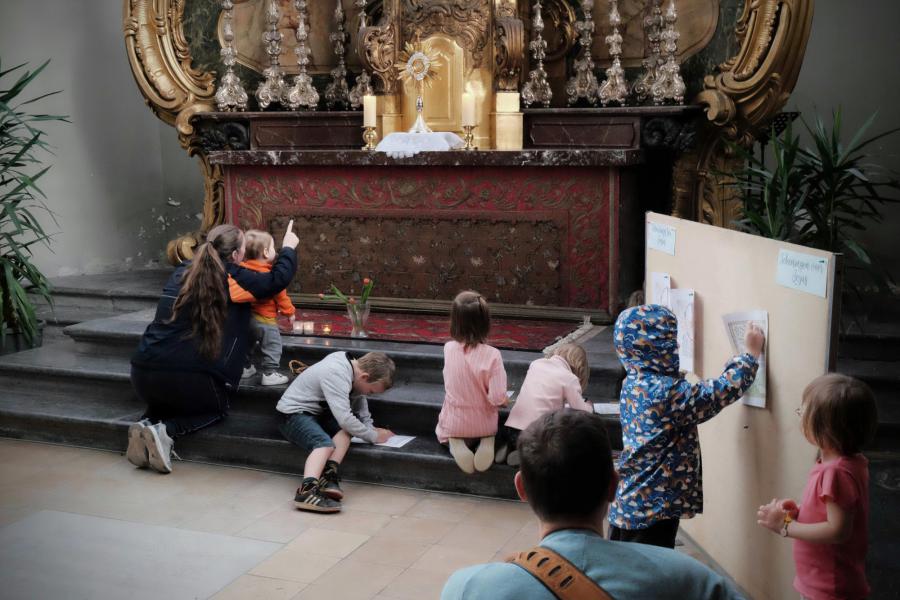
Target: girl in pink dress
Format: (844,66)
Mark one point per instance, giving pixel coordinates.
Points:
(474,385)
(831,525)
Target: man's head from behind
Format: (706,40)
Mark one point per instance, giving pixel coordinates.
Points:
(566,473)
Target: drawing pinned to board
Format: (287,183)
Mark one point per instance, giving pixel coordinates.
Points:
(681,303)
(736,327)
(660,284)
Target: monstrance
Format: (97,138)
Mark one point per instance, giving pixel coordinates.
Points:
(419,65)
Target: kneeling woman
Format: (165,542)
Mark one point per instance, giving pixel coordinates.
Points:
(191,356)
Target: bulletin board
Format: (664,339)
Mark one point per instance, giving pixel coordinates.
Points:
(751,455)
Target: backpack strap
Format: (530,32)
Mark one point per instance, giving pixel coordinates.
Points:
(562,578)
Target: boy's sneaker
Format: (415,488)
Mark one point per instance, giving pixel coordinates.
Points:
(500,455)
(309,498)
(330,482)
(137,449)
(513,459)
(248,372)
(159,447)
(274,378)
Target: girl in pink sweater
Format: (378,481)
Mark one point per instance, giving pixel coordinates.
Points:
(549,385)
(474,385)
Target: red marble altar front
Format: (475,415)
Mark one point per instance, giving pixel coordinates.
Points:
(541,236)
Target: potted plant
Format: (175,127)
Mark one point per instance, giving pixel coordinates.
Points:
(820,195)
(21,143)
(357,309)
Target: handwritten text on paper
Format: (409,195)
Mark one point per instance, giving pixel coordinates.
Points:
(803,272)
(661,237)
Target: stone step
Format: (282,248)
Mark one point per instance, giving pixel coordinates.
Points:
(420,363)
(409,407)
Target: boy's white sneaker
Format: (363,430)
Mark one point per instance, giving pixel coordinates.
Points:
(159,447)
(274,378)
(248,372)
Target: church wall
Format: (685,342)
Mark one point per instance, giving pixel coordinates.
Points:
(851,60)
(115,165)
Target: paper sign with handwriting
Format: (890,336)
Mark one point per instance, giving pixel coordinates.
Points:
(803,272)
(661,237)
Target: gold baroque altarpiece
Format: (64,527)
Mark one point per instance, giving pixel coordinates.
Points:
(740,100)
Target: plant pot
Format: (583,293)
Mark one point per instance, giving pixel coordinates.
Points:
(359,319)
(15,340)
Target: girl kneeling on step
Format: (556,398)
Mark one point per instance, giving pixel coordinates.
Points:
(474,385)
(191,356)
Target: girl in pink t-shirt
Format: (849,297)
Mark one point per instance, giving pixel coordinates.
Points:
(831,525)
(474,385)
(549,385)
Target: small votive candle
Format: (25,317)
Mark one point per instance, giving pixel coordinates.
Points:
(326,329)
(369,111)
(309,327)
(468,110)
(297,326)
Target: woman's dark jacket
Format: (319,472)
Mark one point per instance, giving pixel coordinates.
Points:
(171,346)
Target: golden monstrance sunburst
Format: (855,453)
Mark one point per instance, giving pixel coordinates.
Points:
(419,64)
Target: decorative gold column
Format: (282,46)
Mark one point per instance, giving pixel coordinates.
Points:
(741,100)
(161,64)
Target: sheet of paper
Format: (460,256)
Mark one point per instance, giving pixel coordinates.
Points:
(660,284)
(606,408)
(803,272)
(681,302)
(396,441)
(736,327)
(661,237)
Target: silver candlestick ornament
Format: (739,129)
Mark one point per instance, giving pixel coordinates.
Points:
(669,85)
(363,85)
(303,92)
(653,24)
(537,89)
(337,94)
(273,87)
(231,94)
(614,89)
(583,83)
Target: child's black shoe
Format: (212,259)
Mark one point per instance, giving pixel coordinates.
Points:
(309,498)
(330,482)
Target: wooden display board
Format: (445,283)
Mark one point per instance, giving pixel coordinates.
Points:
(750,455)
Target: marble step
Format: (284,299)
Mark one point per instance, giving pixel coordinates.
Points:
(420,363)
(102,421)
(409,407)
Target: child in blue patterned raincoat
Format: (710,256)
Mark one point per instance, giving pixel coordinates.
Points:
(660,480)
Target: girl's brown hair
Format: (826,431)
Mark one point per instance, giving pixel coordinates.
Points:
(204,292)
(257,243)
(577,359)
(839,413)
(470,319)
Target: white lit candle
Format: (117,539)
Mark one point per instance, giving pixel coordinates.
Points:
(326,329)
(468,110)
(369,116)
(297,326)
(309,327)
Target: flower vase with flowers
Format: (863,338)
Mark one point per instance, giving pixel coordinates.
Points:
(357,308)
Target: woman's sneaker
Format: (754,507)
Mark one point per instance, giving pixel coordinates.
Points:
(159,447)
(330,482)
(137,449)
(309,498)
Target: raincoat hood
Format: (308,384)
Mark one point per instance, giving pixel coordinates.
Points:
(646,340)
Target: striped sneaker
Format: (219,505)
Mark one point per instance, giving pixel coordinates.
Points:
(309,498)
(330,482)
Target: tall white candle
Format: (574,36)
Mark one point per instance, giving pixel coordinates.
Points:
(468,109)
(369,116)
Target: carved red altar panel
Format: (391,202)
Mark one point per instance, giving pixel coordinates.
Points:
(540,236)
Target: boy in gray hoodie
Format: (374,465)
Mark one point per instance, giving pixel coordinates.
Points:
(321,409)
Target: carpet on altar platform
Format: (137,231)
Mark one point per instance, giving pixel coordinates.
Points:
(508,334)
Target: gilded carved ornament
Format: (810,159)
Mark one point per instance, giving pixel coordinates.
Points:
(160,61)
(741,100)
(465,21)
